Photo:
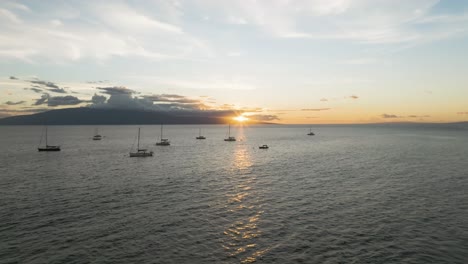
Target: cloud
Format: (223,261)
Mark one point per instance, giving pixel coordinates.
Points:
(416,116)
(14,103)
(13,78)
(98,99)
(57,90)
(42,100)
(364,21)
(99,30)
(354,97)
(316,109)
(54,101)
(63,100)
(263,118)
(35,89)
(52,87)
(172,98)
(462,113)
(116,90)
(45,83)
(390,116)
(323,100)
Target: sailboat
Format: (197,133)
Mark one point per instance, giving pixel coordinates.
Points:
(229,135)
(96,135)
(310,133)
(141,152)
(199,135)
(47,146)
(164,141)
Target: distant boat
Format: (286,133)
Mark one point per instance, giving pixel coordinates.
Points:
(199,135)
(140,152)
(310,133)
(229,138)
(96,135)
(163,141)
(47,147)
(263,147)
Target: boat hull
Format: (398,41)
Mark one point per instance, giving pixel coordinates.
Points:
(49,149)
(141,154)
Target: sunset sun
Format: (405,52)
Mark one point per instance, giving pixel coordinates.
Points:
(241,118)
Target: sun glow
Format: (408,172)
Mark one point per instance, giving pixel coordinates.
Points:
(241,118)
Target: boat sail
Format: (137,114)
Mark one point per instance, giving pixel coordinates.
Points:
(47,147)
(97,136)
(229,138)
(199,135)
(163,141)
(140,152)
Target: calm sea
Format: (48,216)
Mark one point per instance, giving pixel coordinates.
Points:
(350,194)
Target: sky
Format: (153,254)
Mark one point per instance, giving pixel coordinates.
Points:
(282,61)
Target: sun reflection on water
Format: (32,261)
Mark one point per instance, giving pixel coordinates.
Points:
(242,234)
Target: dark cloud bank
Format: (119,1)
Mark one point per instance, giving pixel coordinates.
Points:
(120,106)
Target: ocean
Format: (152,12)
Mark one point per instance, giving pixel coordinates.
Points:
(349,194)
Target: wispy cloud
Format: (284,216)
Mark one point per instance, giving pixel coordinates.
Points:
(316,109)
(390,116)
(100,30)
(14,103)
(365,21)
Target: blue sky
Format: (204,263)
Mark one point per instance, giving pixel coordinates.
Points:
(318,61)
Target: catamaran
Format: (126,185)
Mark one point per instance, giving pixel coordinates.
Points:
(140,152)
(199,135)
(229,138)
(47,147)
(163,141)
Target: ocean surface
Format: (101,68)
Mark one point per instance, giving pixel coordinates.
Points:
(349,194)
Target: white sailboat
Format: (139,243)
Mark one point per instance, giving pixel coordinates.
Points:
(47,147)
(163,141)
(97,136)
(199,135)
(229,138)
(141,152)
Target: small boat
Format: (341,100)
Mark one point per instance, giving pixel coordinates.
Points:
(310,133)
(141,152)
(163,141)
(263,147)
(199,135)
(47,147)
(229,138)
(96,135)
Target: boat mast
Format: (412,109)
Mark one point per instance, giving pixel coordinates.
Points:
(199,132)
(138,144)
(229,131)
(161,132)
(46,136)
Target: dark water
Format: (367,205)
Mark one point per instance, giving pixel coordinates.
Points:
(350,194)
